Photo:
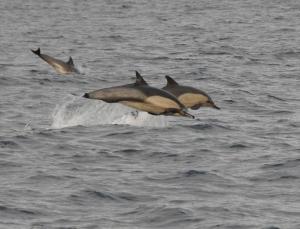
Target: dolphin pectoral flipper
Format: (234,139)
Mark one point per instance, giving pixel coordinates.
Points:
(196,107)
(186,114)
(167,113)
(153,113)
(172,111)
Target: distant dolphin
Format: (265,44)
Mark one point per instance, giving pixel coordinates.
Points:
(59,66)
(190,97)
(141,96)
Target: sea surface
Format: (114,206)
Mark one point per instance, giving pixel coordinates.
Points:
(67,162)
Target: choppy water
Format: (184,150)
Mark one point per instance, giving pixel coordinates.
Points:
(67,162)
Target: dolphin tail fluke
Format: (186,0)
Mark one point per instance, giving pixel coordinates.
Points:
(86,95)
(37,52)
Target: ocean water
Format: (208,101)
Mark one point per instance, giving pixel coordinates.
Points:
(68,162)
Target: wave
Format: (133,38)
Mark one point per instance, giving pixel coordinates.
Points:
(109,196)
(165,216)
(192,174)
(13,211)
(286,164)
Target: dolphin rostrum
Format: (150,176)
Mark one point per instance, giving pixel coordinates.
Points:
(190,97)
(143,97)
(60,67)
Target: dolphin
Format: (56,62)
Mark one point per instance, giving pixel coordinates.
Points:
(143,97)
(190,97)
(60,67)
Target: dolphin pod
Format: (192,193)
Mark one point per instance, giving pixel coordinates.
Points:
(143,97)
(173,99)
(190,97)
(60,66)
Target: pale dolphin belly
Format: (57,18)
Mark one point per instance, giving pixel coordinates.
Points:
(61,68)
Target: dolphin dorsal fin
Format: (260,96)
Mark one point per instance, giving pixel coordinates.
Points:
(171,81)
(139,79)
(70,61)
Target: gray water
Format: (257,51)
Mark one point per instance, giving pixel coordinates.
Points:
(69,162)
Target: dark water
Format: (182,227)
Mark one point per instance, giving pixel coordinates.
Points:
(67,162)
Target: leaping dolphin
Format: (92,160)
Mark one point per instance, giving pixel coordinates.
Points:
(143,97)
(60,67)
(190,97)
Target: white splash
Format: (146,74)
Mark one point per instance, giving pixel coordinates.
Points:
(82,69)
(75,111)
